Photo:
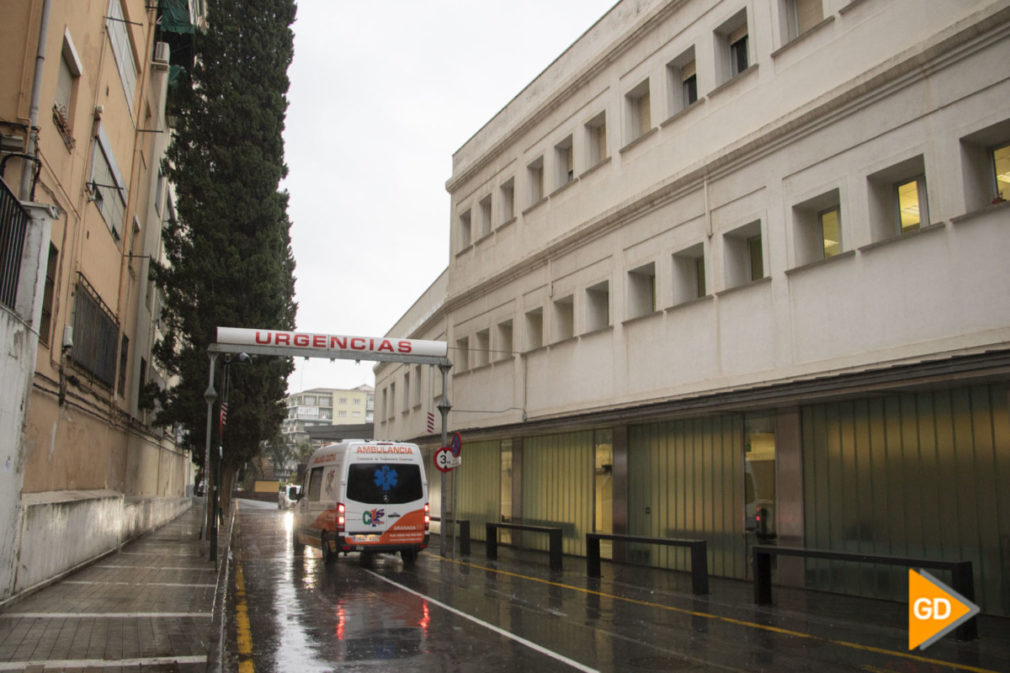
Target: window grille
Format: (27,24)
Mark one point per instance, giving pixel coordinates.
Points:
(96,332)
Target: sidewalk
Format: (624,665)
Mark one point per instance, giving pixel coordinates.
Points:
(149,606)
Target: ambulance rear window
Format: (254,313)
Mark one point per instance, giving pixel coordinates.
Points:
(378,483)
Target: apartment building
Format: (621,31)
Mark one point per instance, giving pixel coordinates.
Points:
(323,407)
(84,131)
(737,270)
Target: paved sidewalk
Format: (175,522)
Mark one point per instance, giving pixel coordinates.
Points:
(148,607)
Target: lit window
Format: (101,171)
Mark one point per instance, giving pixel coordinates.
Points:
(830,228)
(1001,170)
(912,204)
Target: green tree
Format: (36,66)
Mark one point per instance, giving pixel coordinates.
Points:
(229,250)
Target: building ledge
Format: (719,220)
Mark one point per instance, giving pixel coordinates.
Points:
(704,299)
(683,112)
(595,167)
(975,214)
(533,206)
(562,188)
(820,262)
(803,36)
(598,330)
(506,223)
(869,247)
(732,81)
(639,140)
(744,286)
(641,318)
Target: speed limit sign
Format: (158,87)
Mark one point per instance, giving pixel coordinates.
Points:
(444,459)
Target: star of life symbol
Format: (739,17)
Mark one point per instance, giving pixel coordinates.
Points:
(385,478)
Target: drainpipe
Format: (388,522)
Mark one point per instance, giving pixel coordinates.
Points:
(33,111)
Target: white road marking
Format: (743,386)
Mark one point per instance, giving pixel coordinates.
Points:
(533,646)
(60,664)
(140,584)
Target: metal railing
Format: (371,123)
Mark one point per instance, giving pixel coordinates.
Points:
(13,225)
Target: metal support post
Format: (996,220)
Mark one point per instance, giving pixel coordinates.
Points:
(210,395)
(443,408)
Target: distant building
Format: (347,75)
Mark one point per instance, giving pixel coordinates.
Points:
(321,407)
(738,270)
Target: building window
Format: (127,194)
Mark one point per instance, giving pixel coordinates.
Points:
(639,111)
(405,402)
(534,329)
(598,306)
(122,50)
(1001,172)
(564,162)
(482,348)
(912,204)
(830,228)
(596,136)
(95,335)
(507,193)
(67,80)
(897,201)
(985,159)
(682,82)
(535,180)
(817,230)
(108,189)
(564,318)
(485,216)
(465,233)
(416,393)
(462,354)
(689,274)
(503,340)
(801,16)
(744,255)
(48,295)
(732,45)
(642,290)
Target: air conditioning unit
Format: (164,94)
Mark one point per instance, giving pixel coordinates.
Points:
(161,53)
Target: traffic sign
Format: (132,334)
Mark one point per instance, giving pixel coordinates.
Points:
(443,459)
(457,444)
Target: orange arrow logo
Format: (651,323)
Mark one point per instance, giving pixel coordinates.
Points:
(934,609)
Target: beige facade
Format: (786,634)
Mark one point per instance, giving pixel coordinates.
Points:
(89,443)
(326,406)
(737,270)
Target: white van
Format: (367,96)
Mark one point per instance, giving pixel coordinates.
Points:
(364,496)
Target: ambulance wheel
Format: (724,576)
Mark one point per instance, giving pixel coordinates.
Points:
(409,556)
(329,557)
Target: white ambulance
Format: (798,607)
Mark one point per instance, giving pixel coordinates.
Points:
(364,496)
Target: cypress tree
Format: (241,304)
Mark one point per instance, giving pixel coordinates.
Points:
(229,260)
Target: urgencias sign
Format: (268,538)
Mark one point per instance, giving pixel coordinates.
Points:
(331,345)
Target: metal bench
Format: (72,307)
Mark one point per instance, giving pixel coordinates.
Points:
(464,534)
(962,580)
(554,532)
(699,555)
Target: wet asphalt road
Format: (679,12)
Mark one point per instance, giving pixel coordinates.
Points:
(291,613)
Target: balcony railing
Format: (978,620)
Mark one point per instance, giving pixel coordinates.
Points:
(13,224)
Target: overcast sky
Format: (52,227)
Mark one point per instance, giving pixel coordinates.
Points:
(382,94)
